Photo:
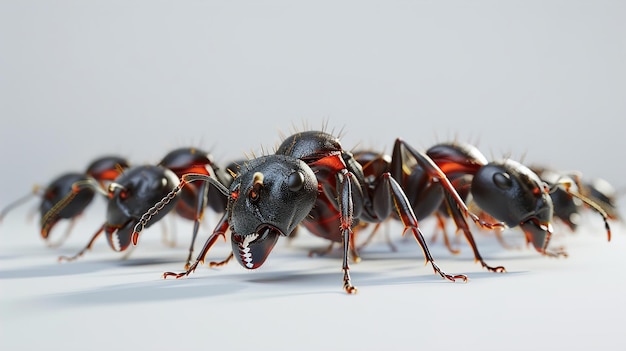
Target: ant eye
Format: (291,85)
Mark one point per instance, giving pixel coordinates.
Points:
(253,195)
(502,181)
(295,181)
(547,189)
(257,184)
(124,194)
(49,195)
(111,190)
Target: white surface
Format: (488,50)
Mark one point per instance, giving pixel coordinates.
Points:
(295,302)
(539,80)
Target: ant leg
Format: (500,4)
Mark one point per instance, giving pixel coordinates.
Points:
(85,249)
(220,229)
(558,253)
(186,178)
(202,199)
(441,224)
(369,238)
(17,203)
(390,243)
(544,251)
(355,254)
(431,168)
(223,262)
(594,206)
(167,239)
(323,251)
(456,214)
(405,212)
(346,207)
(354,250)
(66,234)
(456,206)
(32,213)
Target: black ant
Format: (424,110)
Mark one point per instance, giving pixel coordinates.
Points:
(68,195)
(598,194)
(310,180)
(129,195)
(602,193)
(506,191)
(138,188)
(426,191)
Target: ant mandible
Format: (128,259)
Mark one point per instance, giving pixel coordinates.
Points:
(309,175)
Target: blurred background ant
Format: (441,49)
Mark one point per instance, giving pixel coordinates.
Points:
(134,191)
(67,196)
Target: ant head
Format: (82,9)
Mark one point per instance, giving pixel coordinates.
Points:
(131,195)
(269,198)
(566,206)
(512,193)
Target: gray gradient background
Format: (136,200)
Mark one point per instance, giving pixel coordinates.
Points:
(540,80)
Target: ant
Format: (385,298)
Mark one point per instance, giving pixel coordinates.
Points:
(506,191)
(128,197)
(426,191)
(309,180)
(68,195)
(600,195)
(134,191)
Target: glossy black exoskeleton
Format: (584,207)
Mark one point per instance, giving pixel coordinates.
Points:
(133,193)
(68,195)
(505,190)
(427,191)
(130,195)
(310,180)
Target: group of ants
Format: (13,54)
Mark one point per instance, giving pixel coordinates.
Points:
(312,181)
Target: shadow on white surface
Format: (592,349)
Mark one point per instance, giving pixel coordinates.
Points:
(296,302)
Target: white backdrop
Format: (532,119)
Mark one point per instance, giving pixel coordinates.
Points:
(542,81)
